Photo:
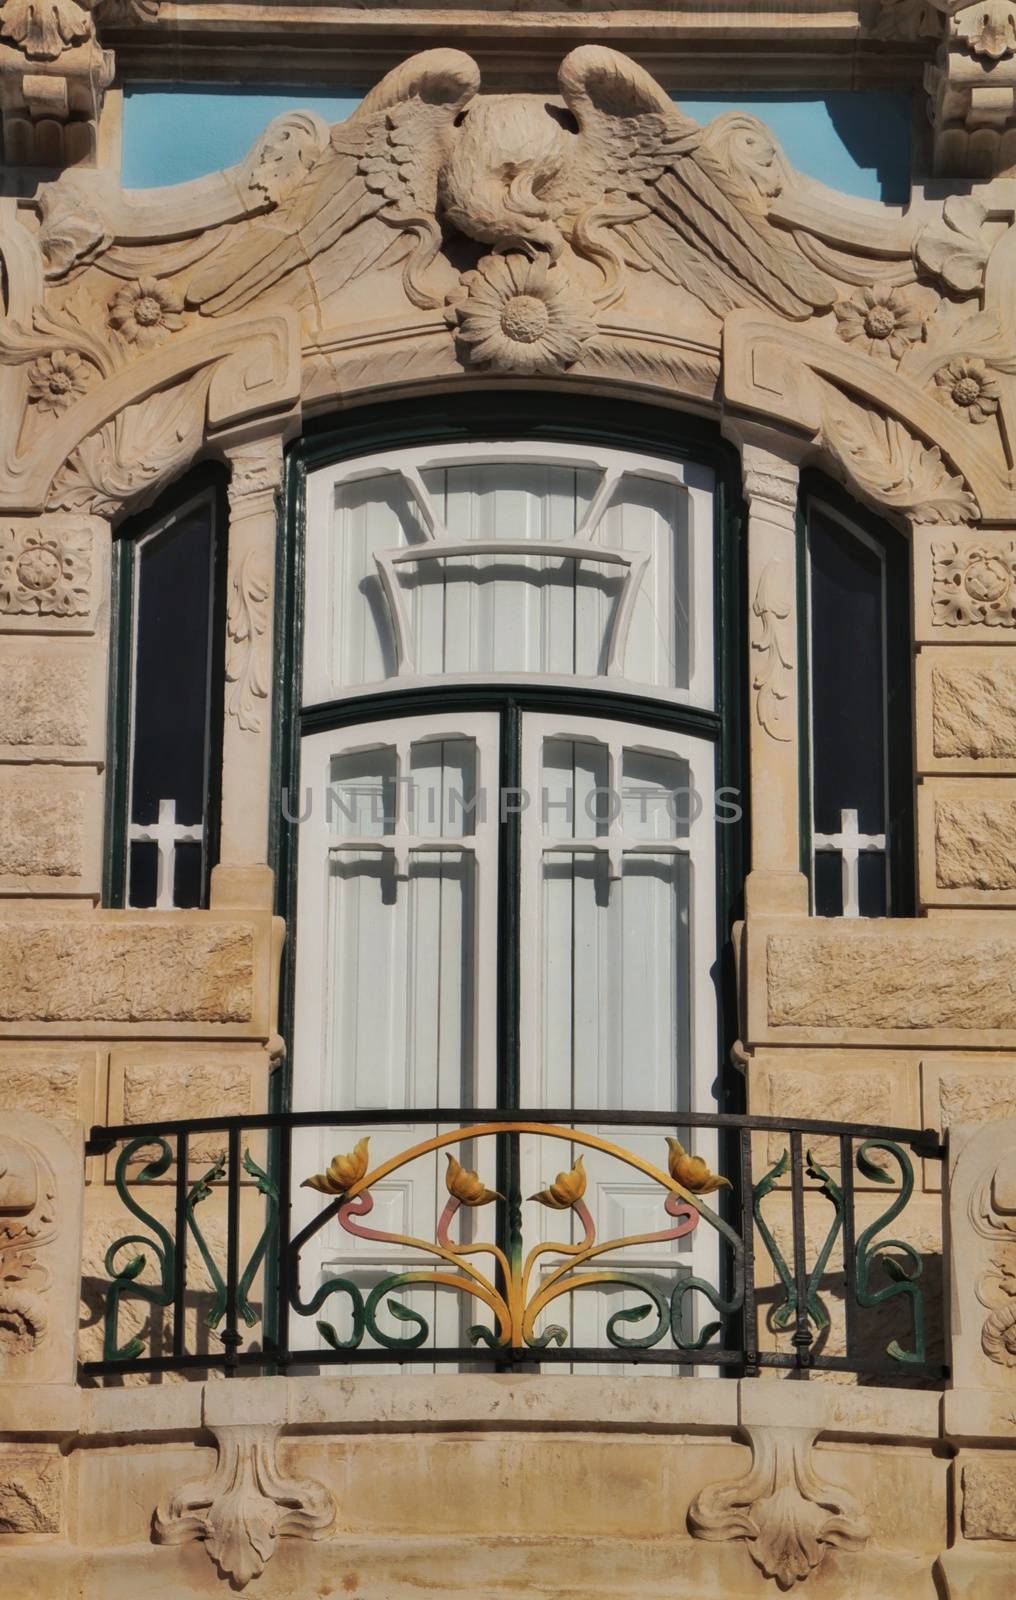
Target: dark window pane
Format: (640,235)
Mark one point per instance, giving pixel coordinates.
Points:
(828,883)
(187,877)
(142,875)
(847,677)
(871,884)
(173,609)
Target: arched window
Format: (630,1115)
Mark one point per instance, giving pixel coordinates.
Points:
(166,732)
(514,779)
(859,778)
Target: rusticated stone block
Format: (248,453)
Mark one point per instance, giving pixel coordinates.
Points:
(64,972)
(976,845)
(158,1083)
(989,1499)
(52,705)
(966,705)
(50,830)
(974,710)
(826,1088)
(31,1491)
(200,972)
(882,980)
(53,1081)
(967,835)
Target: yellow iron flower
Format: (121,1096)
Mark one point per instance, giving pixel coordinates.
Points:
(343,1171)
(565,1190)
(692,1171)
(467,1187)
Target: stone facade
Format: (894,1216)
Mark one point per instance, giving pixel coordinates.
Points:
(514,207)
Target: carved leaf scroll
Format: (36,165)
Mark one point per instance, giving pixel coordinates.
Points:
(772,648)
(247,1504)
(887,462)
(247,663)
(787,1516)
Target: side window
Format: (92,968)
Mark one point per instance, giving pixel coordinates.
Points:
(859,782)
(167,762)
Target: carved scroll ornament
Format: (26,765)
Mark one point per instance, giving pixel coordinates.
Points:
(601,233)
(787,1516)
(28,1223)
(245,1506)
(992,1213)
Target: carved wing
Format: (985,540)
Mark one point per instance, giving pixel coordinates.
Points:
(374,187)
(670,198)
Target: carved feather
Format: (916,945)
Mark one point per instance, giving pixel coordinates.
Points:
(699,231)
(379,171)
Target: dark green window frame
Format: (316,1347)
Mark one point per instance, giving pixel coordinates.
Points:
(519,415)
(819,490)
(206,479)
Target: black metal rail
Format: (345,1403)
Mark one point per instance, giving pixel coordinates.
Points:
(774,1265)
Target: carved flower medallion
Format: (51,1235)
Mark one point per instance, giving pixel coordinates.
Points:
(55,381)
(42,574)
(521,315)
(974,583)
(144,312)
(967,384)
(881,320)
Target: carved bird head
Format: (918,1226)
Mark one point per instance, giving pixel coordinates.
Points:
(507,152)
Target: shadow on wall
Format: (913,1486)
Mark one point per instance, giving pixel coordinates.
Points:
(856,141)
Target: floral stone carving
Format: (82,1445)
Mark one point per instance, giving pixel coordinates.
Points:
(772,649)
(27,1225)
(787,1516)
(520,315)
(243,1509)
(45,572)
(992,1212)
(974,583)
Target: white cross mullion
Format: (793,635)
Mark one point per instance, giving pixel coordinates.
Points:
(850,842)
(165,834)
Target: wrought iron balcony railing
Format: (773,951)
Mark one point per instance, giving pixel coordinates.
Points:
(235,1257)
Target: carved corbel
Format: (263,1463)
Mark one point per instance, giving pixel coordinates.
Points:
(245,1506)
(53,76)
(972,89)
(787,1516)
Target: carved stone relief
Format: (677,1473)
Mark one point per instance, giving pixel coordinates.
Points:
(442,230)
(787,1516)
(28,1223)
(974,582)
(772,645)
(31,1491)
(246,1505)
(45,569)
(992,1212)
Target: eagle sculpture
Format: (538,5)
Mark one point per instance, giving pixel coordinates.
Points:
(611,168)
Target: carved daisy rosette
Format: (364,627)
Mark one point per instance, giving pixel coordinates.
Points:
(967,384)
(144,312)
(520,314)
(880,320)
(56,381)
